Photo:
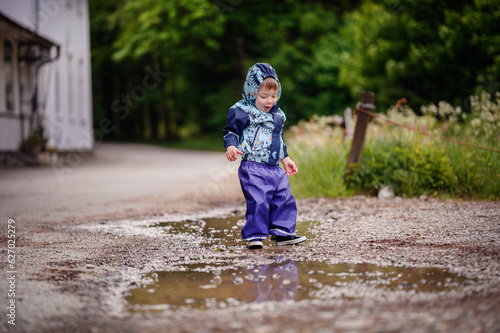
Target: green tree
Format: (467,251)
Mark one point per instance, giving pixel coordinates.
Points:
(423,50)
(325,53)
(174,38)
(300,39)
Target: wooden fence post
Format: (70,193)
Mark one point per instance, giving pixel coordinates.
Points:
(366,103)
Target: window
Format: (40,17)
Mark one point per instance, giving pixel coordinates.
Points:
(71,101)
(26,80)
(81,93)
(8,71)
(79,8)
(57,92)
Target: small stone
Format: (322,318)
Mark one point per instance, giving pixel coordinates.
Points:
(386,192)
(216,280)
(238,280)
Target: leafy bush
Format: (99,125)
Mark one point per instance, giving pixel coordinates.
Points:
(409,167)
(412,158)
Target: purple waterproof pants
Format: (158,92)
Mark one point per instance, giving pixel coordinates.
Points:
(271,207)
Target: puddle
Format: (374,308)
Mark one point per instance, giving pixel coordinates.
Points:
(202,286)
(208,287)
(223,231)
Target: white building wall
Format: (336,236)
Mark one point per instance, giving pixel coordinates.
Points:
(64,85)
(10,132)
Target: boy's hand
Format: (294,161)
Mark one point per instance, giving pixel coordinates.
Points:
(232,153)
(290,167)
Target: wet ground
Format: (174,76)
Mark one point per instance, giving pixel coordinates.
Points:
(369,265)
(278,278)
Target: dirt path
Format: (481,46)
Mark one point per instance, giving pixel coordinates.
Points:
(85,241)
(119,180)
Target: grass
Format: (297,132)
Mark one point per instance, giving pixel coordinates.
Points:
(320,174)
(206,142)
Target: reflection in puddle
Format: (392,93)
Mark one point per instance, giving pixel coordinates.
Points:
(226,231)
(205,287)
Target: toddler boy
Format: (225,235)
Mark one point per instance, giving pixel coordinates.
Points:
(254,130)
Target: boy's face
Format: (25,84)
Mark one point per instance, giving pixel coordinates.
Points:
(266,99)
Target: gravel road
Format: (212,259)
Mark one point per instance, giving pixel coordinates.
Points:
(88,237)
(117,180)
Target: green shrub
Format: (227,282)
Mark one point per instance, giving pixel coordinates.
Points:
(410,168)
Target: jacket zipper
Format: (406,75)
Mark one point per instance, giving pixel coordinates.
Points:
(255,139)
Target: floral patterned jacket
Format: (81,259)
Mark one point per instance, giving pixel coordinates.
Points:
(258,134)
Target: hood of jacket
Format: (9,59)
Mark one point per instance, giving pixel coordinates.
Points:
(255,76)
